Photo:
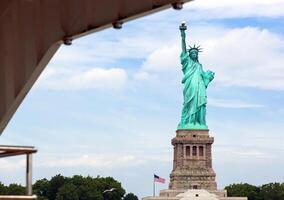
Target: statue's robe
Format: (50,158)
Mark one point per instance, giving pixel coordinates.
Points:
(195,82)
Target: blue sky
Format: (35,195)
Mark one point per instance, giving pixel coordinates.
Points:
(109,104)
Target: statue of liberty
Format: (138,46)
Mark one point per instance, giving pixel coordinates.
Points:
(195,82)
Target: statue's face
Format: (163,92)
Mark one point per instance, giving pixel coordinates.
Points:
(194,55)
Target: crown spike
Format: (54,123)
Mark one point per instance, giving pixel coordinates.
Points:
(195,47)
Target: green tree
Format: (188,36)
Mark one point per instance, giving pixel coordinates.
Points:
(281,192)
(75,188)
(67,192)
(86,188)
(130,196)
(3,189)
(272,191)
(15,189)
(54,184)
(40,188)
(108,183)
(243,190)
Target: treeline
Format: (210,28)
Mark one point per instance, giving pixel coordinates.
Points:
(73,188)
(270,191)
(89,188)
(12,189)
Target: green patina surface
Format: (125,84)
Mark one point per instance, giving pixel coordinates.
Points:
(195,81)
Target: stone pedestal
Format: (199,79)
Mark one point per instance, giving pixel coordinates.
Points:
(192,176)
(192,166)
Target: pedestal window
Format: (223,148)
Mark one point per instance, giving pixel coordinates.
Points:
(194,151)
(187,151)
(201,151)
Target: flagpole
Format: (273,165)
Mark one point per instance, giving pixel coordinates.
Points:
(154,186)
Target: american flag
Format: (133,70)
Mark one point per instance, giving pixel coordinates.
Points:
(159,179)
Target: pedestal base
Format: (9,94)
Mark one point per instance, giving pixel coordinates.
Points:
(193,194)
(192,167)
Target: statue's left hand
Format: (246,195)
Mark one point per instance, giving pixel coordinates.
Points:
(210,75)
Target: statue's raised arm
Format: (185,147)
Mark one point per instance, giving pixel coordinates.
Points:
(182,29)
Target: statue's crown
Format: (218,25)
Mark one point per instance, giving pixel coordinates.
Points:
(196,48)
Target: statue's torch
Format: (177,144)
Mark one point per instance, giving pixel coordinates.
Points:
(183,26)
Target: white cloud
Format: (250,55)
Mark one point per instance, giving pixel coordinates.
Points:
(246,57)
(102,161)
(94,161)
(75,54)
(208,9)
(106,49)
(224,103)
(80,79)
(163,59)
(10,165)
(251,153)
(143,76)
(242,153)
